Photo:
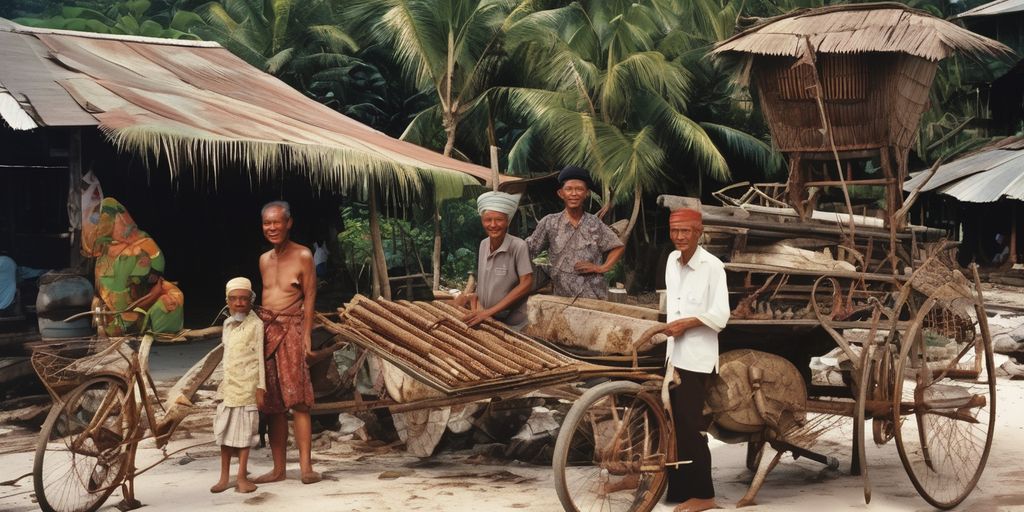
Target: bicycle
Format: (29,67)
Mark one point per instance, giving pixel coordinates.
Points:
(104,406)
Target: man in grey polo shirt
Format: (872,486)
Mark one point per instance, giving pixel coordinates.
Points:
(504,272)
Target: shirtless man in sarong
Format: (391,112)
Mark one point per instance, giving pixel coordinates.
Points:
(289,290)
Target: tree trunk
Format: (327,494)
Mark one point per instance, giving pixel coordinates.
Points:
(381,285)
(435,257)
(637,201)
(435,260)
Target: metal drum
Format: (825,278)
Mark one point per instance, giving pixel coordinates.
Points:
(63,293)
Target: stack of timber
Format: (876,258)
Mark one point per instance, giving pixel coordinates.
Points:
(752,233)
(783,268)
(429,341)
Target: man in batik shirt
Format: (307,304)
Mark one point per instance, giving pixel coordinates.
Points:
(580,247)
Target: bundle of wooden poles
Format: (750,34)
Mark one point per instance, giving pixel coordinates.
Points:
(432,339)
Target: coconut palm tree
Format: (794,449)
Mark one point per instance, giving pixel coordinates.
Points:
(619,67)
(301,42)
(449,48)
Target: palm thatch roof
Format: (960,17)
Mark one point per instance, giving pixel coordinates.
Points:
(194,104)
(860,28)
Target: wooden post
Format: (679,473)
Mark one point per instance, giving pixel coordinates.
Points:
(494,168)
(75,193)
(795,186)
(435,259)
(382,287)
(1013,232)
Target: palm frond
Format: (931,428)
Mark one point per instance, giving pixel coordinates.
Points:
(277,62)
(746,147)
(333,37)
(679,131)
(217,16)
(282,15)
(642,73)
(425,129)
(526,102)
(631,161)
(420,41)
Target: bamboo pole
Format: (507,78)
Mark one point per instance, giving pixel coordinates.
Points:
(401,330)
(498,354)
(449,343)
(1013,232)
(435,258)
(381,284)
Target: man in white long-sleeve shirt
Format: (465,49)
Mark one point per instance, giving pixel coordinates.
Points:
(697,309)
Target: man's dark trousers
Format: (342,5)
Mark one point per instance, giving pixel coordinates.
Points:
(690,480)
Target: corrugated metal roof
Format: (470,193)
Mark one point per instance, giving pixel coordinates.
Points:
(985,176)
(198,103)
(860,28)
(993,9)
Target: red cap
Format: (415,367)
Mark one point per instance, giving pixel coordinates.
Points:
(685,215)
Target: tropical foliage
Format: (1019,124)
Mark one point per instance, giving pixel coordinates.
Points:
(130,17)
(622,87)
(622,71)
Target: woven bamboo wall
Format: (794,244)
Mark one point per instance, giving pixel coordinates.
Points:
(871,100)
(907,92)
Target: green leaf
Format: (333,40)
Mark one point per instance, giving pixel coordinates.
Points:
(747,147)
(137,7)
(185,21)
(150,28)
(83,13)
(128,24)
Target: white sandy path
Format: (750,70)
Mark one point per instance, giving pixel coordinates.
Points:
(449,483)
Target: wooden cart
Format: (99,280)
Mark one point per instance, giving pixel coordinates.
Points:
(617,439)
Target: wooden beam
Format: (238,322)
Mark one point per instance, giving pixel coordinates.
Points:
(75,192)
(1013,232)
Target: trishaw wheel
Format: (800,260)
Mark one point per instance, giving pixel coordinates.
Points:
(81,454)
(946,412)
(612,449)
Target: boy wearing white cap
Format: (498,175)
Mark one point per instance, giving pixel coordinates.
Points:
(242,389)
(504,272)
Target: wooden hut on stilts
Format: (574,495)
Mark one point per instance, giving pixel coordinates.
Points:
(845,84)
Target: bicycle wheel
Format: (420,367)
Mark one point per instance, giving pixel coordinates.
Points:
(611,450)
(81,453)
(946,403)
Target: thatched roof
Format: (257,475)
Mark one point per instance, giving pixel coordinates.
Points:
(860,28)
(194,104)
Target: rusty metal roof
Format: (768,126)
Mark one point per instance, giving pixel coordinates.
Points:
(195,103)
(984,176)
(993,9)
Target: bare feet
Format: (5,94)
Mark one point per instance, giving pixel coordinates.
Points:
(696,505)
(311,477)
(220,486)
(245,486)
(268,477)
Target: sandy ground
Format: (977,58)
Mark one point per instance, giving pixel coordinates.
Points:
(361,476)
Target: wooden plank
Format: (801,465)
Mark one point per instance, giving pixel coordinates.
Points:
(752,267)
(813,322)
